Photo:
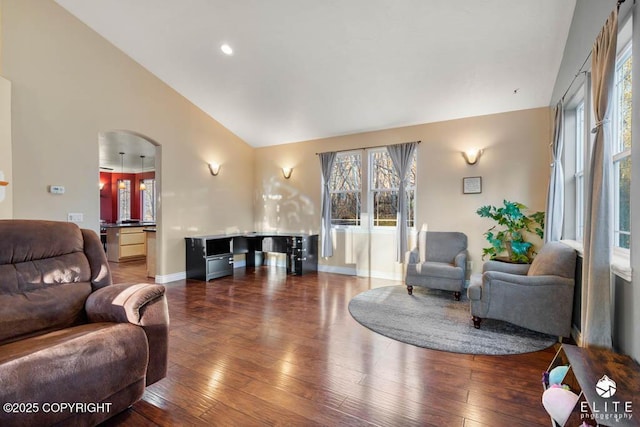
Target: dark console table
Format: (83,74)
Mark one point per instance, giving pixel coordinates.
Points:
(210,257)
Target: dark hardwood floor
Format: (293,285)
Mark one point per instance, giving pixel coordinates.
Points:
(264,348)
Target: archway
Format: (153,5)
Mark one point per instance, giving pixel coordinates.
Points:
(130,182)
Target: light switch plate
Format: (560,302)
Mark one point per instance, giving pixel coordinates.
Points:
(75,217)
(56,189)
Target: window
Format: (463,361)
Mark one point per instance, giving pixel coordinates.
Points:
(124,200)
(383,190)
(379,192)
(345,187)
(579,174)
(621,150)
(148,196)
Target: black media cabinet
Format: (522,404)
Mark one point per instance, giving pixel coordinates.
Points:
(210,257)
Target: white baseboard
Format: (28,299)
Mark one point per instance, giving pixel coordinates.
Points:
(383,275)
(348,271)
(166,278)
(351,271)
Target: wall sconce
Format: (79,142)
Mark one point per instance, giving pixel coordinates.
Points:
(472,156)
(286,172)
(101,185)
(214,168)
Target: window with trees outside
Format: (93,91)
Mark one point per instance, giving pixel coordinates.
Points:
(148,196)
(621,150)
(345,187)
(579,174)
(124,200)
(383,190)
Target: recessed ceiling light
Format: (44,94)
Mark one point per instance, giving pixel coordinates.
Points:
(226,49)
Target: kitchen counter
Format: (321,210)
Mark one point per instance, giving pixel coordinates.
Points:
(126,241)
(127,224)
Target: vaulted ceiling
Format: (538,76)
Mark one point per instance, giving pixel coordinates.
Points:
(307,69)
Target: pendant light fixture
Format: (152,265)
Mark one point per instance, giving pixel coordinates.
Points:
(121,184)
(143,186)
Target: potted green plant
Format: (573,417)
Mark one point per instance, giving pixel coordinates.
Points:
(511,238)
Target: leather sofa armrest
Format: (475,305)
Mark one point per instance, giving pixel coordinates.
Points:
(123,303)
(142,304)
(100,274)
(506,267)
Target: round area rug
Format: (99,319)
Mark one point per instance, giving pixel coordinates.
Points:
(433,319)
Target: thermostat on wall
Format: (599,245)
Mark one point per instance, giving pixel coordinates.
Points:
(56,189)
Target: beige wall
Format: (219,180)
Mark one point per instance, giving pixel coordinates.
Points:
(514,166)
(69,84)
(6,193)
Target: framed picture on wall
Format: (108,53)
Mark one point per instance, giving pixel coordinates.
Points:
(472,185)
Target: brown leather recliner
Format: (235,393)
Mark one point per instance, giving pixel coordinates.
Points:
(75,349)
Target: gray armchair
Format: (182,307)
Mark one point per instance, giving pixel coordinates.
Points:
(536,296)
(441,264)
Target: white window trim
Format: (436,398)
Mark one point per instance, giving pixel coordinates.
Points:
(617,156)
(370,190)
(579,175)
(621,264)
(620,261)
(119,205)
(143,195)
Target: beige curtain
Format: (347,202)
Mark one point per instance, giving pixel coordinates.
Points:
(596,271)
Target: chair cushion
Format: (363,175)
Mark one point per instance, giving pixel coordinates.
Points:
(555,259)
(436,270)
(46,308)
(44,276)
(29,240)
(443,246)
(98,359)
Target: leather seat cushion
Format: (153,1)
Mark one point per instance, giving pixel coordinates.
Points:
(94,361)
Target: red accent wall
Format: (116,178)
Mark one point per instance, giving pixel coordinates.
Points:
(109,194)
(106,211)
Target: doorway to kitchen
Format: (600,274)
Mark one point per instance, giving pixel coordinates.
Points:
(129,198)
